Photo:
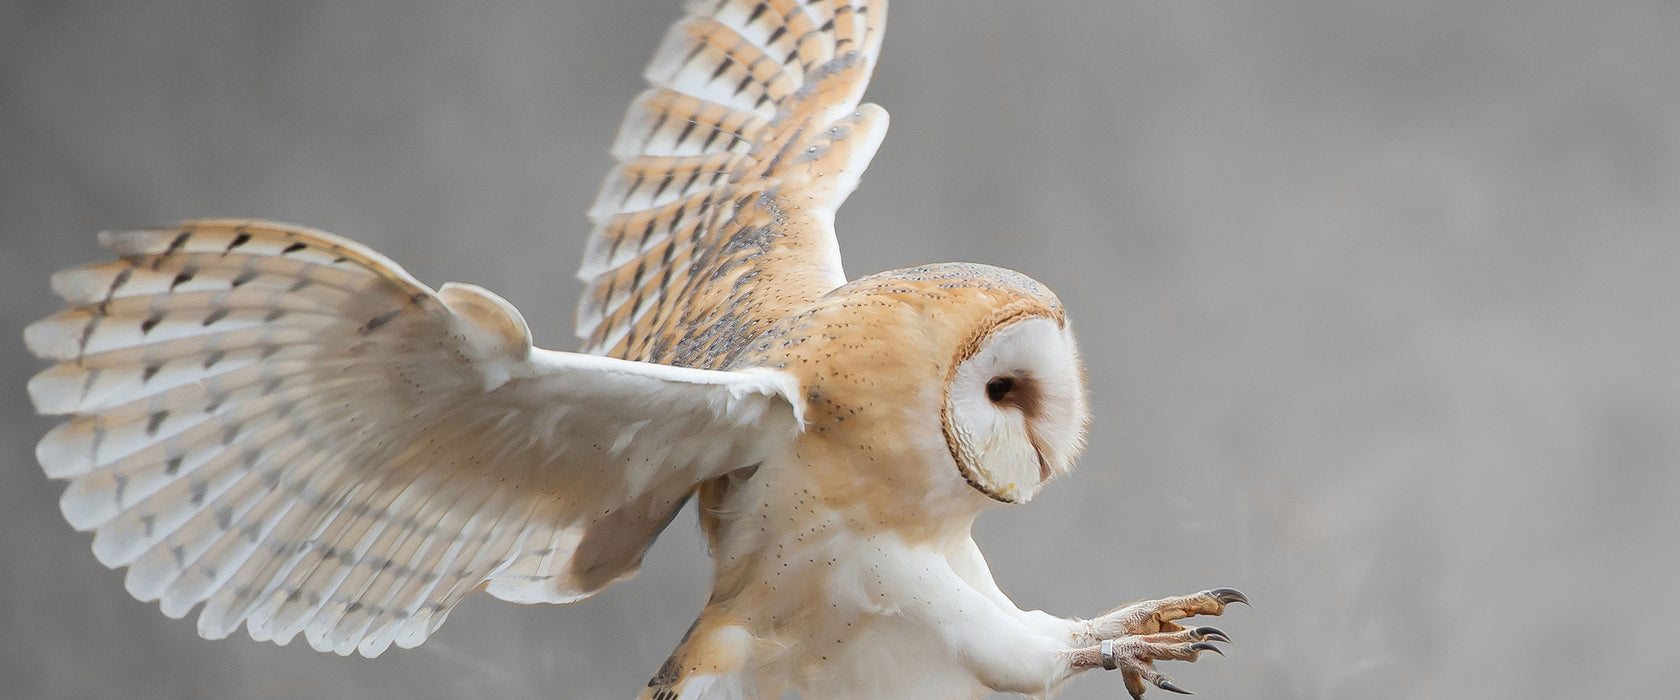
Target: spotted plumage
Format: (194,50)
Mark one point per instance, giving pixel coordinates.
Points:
(718,219)
(286,431)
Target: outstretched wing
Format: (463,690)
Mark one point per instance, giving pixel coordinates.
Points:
(719,218)
(285,425)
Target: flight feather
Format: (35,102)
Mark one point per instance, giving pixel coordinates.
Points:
(287,427)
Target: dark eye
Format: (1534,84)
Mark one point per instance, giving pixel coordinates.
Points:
(998,388)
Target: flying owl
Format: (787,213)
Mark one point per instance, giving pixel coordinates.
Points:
(287,428)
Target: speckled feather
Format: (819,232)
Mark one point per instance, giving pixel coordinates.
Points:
(801,587)
(719,218)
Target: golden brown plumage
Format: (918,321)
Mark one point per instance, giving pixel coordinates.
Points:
(719,218)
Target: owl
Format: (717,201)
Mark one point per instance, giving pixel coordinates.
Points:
(285,430)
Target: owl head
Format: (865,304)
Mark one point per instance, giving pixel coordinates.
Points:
(971,370)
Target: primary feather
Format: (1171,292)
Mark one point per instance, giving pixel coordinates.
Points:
(719,218)
(287,427)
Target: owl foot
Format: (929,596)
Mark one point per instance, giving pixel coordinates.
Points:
(1152,616)
(1137,635)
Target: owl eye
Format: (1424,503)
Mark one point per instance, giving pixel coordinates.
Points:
(999,388)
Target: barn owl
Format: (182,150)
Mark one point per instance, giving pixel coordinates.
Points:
(286,428)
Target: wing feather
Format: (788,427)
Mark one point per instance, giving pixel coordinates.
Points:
(719,218)
(284,426)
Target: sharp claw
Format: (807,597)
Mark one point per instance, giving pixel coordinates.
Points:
(1204,646)
(1165,683)
(1213,633)
(1229,595)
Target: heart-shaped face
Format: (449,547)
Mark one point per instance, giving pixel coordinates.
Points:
(1015,408)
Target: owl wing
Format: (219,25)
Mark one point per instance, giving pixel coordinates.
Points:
(289,427)
(719,217)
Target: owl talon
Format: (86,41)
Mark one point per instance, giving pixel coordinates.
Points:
(1136,673)
(1212,633)
(1142,633)
(1135,657)
(1204,646)
(1229,595)
(1157,616)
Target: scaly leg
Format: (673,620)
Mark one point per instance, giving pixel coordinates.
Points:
(1133,637)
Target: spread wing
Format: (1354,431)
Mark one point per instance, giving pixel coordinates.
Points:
(288,427)
(719,218)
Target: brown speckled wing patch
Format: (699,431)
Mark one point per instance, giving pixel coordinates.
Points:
(720,215)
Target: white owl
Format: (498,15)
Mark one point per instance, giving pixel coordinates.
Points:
(288,428)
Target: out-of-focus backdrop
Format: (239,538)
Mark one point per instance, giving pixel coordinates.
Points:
(1380,304)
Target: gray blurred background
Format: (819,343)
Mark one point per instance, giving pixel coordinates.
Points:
(1378,301)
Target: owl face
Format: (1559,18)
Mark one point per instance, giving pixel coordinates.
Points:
(961,379)
(1014,412)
